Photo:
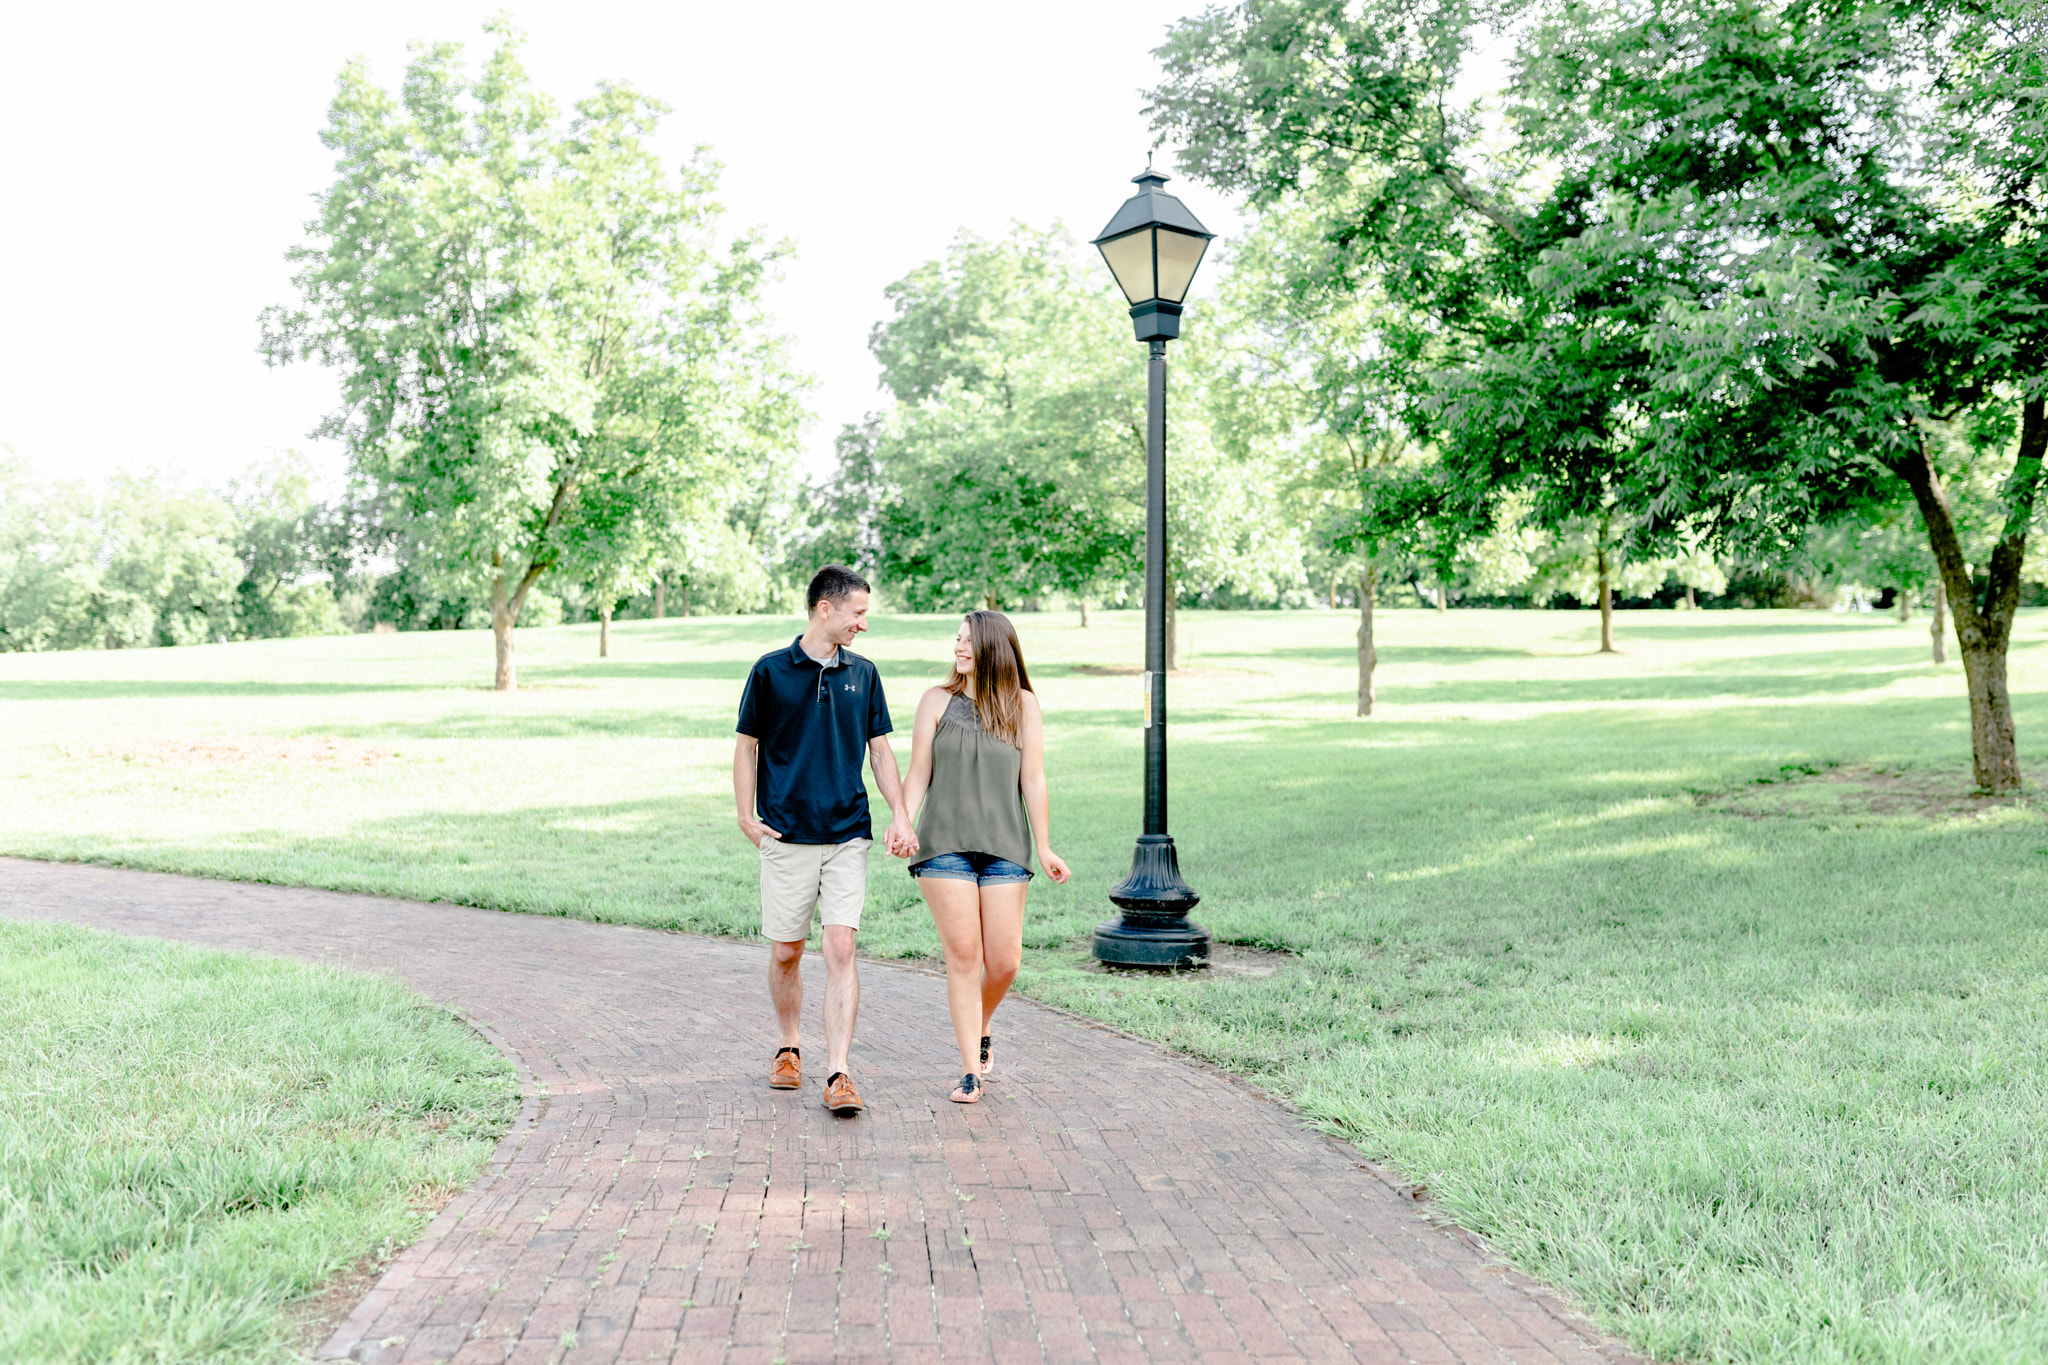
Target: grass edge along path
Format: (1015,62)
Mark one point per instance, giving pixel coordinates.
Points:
(194,1142)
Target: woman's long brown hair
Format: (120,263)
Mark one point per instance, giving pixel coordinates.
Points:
(999,675)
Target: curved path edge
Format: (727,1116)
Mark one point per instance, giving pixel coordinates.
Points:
(654,1200)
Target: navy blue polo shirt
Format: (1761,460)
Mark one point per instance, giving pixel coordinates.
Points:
(813,724)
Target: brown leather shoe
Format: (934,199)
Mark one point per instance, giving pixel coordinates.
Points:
(840,1096)
(788,1070)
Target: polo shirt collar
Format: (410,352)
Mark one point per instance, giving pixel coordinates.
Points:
(800,656)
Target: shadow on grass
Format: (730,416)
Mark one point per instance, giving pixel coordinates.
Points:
(1675,691)
(100,690)
(487,725)
(895,672)
(1629,624)
(720,670)
(768,632)
(1666,687)
(1394,653)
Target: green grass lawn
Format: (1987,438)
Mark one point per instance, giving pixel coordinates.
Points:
(1690,976)
(192,1141)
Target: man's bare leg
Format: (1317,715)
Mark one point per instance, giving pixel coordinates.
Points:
(842,996)
(786,988)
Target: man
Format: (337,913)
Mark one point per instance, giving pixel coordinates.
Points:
(808,713)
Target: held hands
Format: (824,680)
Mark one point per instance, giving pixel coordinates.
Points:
(1055,866)
(900,840)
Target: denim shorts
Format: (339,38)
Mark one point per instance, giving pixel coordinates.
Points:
(983,869)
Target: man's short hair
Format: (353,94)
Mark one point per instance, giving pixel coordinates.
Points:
(834,582)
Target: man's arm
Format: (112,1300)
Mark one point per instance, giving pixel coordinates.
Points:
(745,757)
(901,839)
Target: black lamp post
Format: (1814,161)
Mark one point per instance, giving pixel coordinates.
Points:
(1153,246)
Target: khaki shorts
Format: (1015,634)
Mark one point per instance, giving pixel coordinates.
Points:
(798,878)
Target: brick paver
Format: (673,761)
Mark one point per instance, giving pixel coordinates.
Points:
(656,1201)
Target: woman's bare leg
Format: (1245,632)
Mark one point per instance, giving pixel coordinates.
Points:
(956,911)
(1002,948)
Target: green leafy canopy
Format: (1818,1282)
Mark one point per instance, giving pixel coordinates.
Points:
(548,351)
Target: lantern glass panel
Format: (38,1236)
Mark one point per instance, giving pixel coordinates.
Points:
(1179,254)
(1130,260)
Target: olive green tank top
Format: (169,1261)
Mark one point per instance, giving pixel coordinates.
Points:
(975,803)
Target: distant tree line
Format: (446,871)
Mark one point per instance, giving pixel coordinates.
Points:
(147,561)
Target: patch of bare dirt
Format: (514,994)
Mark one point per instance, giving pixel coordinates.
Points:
(224,753)
(1132,671)
(315,1317)
(318,1315)
(1863,789)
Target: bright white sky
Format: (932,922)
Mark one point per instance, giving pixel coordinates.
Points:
(162,158)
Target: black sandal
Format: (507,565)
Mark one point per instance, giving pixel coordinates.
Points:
(968,1091)
(985,1068)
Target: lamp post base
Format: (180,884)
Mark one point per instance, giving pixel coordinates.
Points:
(1155,930)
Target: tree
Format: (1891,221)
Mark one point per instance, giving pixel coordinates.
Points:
(1295,364)
(838,516)
(1859,192)
(545,350)
(1230,537)
(1521,378)
(1771,243)
(168,572)
(285,541)
(1012,461)
(1011,465)
(49,570)
(1594,561)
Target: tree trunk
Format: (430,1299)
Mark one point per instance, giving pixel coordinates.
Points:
(661,595)
(604,631)
(1368,657)
(683,592)
(1691,603)
(1984,629)
(1606,602)
(1333,592)
(505,608)
(1938,626)
(1443,599)
(1905,605)
(1083,603)
(502,618)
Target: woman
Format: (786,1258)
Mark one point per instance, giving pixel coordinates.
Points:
(978,754)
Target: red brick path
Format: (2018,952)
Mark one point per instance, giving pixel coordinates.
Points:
(656,1201)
